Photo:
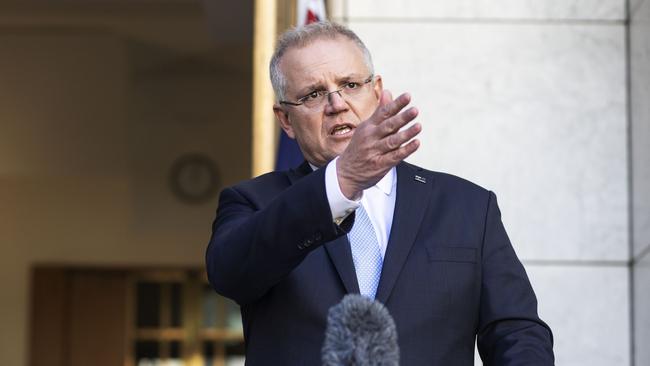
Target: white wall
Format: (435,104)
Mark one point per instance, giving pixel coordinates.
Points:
(528,99)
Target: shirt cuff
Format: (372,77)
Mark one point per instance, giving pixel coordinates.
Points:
(340,205)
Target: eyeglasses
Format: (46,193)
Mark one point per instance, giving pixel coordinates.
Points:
(318,98)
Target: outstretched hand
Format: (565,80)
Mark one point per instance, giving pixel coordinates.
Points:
(378,145)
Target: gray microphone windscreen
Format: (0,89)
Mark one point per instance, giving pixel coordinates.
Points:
(360,332)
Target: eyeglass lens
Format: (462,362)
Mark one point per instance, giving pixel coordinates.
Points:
(347,92)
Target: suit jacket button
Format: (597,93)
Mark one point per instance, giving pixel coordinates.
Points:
(308,243)
(318,236)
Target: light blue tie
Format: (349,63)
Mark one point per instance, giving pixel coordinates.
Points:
(365,253)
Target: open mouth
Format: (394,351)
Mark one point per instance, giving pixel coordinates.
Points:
(341,129)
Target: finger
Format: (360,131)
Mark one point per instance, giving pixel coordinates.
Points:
(397,155)
(386,97)
(388,109)
(396,140)
(384,100)
(391,125)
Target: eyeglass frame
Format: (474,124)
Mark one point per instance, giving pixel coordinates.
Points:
(327,93)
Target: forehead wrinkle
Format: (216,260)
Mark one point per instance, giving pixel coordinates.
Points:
(328,66)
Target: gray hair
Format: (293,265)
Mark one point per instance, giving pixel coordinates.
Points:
(303,36)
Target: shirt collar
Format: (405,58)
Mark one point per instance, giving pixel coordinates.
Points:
(387,183)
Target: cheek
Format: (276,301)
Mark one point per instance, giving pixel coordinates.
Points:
(366,113)
(308,131)
(368,109)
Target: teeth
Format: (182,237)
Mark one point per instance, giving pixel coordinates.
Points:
(341,130)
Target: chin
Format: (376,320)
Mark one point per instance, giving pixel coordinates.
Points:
(340,147)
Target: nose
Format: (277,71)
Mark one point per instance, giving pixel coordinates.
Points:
(336,103)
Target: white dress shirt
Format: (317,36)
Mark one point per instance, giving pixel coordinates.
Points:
(378,201)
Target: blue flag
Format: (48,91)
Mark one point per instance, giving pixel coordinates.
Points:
(289,155)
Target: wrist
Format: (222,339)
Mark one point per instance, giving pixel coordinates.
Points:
(351,194)
(346,185)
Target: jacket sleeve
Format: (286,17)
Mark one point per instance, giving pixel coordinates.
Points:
(252,248)
(510,331)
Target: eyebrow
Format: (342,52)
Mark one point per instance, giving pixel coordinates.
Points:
(319,85)
(309,88)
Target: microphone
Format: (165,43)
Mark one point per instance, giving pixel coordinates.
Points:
(360,332)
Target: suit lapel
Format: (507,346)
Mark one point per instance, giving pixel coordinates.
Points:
(413,191)
(341,255)
(339,249)
(299,172)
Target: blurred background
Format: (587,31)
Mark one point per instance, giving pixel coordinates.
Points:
(121,120)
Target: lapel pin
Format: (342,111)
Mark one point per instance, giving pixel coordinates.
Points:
(420,179)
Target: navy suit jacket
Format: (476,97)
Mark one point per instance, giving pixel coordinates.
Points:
(450,275)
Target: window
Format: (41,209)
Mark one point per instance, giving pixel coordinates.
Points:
(177,319)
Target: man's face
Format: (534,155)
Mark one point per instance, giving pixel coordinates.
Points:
(325,64)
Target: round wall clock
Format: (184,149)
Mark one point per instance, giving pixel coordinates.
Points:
(194,178)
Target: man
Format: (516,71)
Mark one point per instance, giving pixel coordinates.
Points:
(355,218)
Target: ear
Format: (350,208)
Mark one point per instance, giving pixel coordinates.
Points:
(283,119)
(378,86)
